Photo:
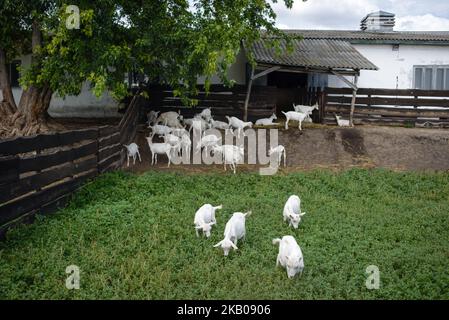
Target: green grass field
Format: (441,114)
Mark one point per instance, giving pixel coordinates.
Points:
(133,238)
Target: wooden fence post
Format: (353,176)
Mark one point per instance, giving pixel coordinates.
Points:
(354,95)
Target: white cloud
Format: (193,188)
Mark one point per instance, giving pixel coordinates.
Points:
(427,22)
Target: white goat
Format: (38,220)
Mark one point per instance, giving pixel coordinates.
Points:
(296,116)
(305,109)
(159,148)
(160,129)
(198,124)
(292,211)
(207,141)
(230,154)
(290,256)
(132,151)
(171,119)
(267,121)
(279,151)
(173,140)
(152,116)
(179,132)
(238,124)
(206,114)
(341,122)
(234,230)
(205,219)
(186,143)
(220,125)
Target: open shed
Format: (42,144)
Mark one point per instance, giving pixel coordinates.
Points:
(318,56)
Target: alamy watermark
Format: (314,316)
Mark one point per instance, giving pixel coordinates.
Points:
(73,280)
(73,20)
(373,279)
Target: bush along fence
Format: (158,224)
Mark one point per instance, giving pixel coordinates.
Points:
(39,173)
(421,108)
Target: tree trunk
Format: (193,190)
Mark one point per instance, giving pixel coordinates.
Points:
(8,104)
(30,116)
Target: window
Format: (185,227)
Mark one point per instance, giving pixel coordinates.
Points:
(14,74)
(431,77)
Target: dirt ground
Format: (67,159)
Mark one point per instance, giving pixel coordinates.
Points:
(316,146)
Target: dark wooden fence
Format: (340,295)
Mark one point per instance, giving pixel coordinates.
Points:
(388,106)
(230,101)
(39,173)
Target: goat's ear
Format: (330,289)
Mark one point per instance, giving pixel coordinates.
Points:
(198,227)
(234,246)
(218,244)
(302,213)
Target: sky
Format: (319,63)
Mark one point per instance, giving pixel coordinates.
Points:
(411,15)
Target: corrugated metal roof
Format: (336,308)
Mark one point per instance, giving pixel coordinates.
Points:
(314,53)
(440,36)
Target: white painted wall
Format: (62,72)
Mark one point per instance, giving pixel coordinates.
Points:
(395,67)
(236,72)
(85,105)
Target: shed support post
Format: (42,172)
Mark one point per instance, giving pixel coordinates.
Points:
(248,94)
(354,95)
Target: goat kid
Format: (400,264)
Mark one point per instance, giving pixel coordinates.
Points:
(234,231)
(292,211)
(266,121)
(132,151)
(205,219)
(290,255)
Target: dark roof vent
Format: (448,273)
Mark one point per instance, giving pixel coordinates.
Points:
(378,21)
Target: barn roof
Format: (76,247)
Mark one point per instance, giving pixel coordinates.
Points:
(313,54)
(356,36)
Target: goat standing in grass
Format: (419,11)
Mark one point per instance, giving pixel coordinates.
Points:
(234,230)
(205,219)
(132,151)
(292,211)
(290,255)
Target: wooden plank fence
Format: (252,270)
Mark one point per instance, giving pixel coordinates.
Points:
(39,173)
(388,106)
(223,101)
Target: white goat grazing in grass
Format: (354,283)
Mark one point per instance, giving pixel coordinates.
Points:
(160,129)
(234,230)
(159,148)
(295,116)
(341,122)
(238,124)
(205,219)
(290,255)
(230,155)
(279,151)
(133,151)
(292,211)
(267,121)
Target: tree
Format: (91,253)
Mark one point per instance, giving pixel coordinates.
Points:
(171,41)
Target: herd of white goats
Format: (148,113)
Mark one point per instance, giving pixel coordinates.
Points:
(290,255)
(172,128)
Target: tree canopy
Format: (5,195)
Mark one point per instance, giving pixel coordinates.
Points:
(171,41)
